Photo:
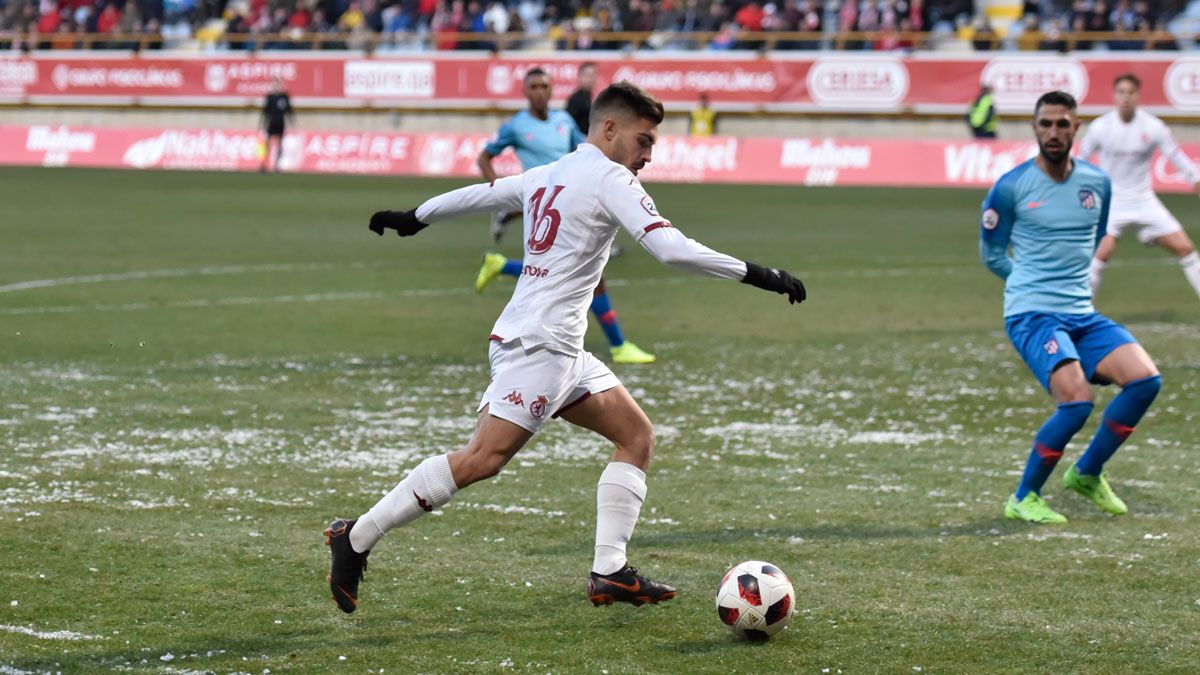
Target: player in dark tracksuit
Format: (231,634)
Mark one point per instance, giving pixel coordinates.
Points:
(276,113)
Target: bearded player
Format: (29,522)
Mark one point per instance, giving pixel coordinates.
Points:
(1052,211)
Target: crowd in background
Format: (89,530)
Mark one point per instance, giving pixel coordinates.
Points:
(569,24)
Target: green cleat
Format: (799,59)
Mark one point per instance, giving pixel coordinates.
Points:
(493,264)
(1032,509)
(631,353)
(1097,489)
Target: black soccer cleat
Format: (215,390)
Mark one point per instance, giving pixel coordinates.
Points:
(626,585)
(346,566)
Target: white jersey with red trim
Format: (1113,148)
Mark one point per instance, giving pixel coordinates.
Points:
(1126,152)
(572,211)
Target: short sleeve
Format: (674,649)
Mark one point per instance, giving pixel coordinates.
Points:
(628,205)
(505,137)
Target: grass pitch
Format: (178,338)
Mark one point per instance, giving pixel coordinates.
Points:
(198,371)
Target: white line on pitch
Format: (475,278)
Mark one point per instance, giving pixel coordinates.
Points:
(229,302)
(179,272)
(52,635)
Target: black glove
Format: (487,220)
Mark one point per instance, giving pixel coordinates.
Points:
(405,223)
(770,279)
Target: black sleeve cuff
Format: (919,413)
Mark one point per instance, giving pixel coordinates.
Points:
(756,275)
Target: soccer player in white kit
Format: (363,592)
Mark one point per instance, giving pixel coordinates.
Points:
(572,210)
(1126,139)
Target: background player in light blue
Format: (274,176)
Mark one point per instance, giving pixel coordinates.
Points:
(540,136)
(1052,211)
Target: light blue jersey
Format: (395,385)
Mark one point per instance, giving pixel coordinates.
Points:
(537,142)
(1053,229)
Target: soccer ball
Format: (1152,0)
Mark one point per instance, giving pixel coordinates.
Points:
(756,600)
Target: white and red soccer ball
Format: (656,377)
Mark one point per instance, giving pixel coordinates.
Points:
(756,600)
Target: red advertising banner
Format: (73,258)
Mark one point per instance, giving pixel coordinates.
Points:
(918,83)
(781,161)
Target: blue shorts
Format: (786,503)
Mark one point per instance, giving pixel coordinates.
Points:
(1045,340)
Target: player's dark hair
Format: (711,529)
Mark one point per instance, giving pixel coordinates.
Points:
(1055,98)
(534,72)
(1130,78)
(627,97)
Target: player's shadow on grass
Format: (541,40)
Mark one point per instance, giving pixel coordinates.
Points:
(988,527)
(194,656)
(721,643)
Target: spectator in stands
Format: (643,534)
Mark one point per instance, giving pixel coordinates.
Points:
(496,18)
(715,18)
(984,38)
(1052,36)
(982,115)
(847,22)
(1099,20)
(811,21)
(447,19)
(49,20)
(669,16)
(641,16)
(725,39)
(64,38)
(868,17)
(750,16)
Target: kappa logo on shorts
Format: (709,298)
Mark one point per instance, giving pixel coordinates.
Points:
(538,407)
(514,397)
(990,219)
(1087,199)
(1051,347)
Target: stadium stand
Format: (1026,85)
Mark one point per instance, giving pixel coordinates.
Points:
(424,25)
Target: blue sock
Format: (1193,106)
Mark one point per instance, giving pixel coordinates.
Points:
(607,316)
(1049,443)
(1120,417)
(512,268)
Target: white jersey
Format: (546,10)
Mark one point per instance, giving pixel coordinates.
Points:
(1126,151)
(573,208)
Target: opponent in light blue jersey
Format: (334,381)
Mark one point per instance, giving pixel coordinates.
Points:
(537,141)
(540,136)
(1053,229)
(1052,211)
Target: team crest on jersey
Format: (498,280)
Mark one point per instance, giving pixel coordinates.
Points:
(648,204)
(990,219)
(514,397)
(538,407)
(1051,347)
(1087,199)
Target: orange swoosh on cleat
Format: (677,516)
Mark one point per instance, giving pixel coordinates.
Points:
(353,600)
(632,588)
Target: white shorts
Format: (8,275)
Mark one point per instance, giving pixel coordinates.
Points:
(1149,219)
(530,387)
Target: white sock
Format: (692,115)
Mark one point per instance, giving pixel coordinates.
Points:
(1191,269)
(619,497)
(1096,272)
(425,488)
